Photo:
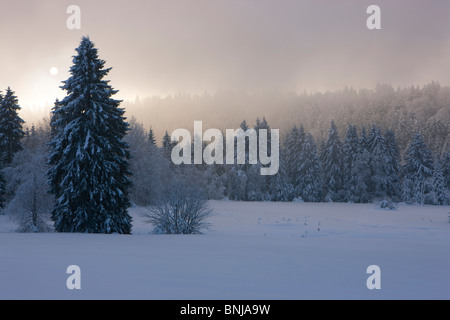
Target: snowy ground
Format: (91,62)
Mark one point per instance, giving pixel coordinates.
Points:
(254,251)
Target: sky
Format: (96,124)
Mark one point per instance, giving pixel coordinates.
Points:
(193,46)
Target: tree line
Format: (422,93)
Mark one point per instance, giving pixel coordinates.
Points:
(364,167)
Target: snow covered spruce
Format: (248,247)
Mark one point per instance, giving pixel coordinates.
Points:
(88,159)
(10,135)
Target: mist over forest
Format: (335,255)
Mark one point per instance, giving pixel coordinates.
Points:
(406,110)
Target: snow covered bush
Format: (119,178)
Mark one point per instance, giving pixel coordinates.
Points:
(31,206)
(388,204)
(29,202)
(182,210)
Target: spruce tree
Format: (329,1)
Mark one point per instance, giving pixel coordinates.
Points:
(11,131)
(384,180)
(167,145)
(88,158)
(263,125)
(292,153)
(331,158)
(364,141)
(151,137)
(2,190)
(394,186)
(439,188)
(394,150)
(350,152)
(418,171)
(279,187)
(309,182)
(358,186)
(446,166)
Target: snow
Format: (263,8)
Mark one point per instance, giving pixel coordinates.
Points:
(254,251)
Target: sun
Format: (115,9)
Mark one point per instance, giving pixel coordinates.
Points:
(54,71)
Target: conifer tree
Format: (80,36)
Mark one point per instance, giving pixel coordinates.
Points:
(350,150)
(439,188)
(309,180)
(151,137)
(2,190)
(384,180)
(88,158)
(292,154)
(11,131)
(446,166)
(279,187)
(331,158)
(167,145)
(418,171)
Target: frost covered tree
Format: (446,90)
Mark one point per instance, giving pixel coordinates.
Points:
(439,193)
(256,184)
(350,152)
(292,148)
(263,125)
(394,150)
(29,202)
(151,137)
(182,210)
(150,170)
(11,131)
(331,158)
(167,145)
(236,184)
(418,172)
(2,190)
(446,166)
(309,179)
(358,187)
(279,186)
(364,141)
(384,180)
(358,179)
(88,158)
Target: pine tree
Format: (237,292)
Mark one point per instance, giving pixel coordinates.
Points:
(394,150)
(309,182)
(418,171)
(237,184)
(364,141)
(279,186)
(167,146)
(384,180)
(2,178)
(244,125)
(350,149)
(358,186)
(446,166)
(394,186)
(263,125)
(292,152)
(439,187)
(151,138)
(2,190)
(331,158)
(10,127)
(88,158)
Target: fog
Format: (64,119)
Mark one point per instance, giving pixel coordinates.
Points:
(178,46)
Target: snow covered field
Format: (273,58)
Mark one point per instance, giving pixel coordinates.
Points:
(254,251)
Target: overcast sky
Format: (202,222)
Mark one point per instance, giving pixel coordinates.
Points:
(162,47)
